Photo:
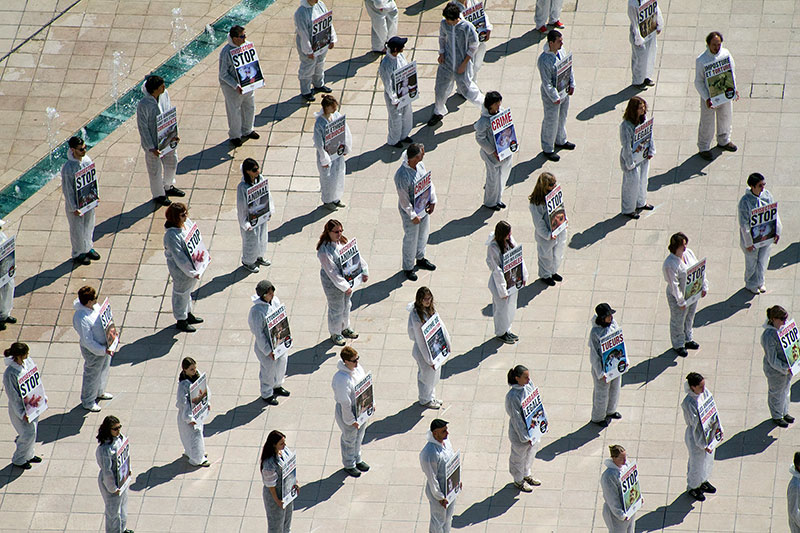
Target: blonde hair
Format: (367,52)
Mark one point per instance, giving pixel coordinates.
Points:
(540,190)
(616,450)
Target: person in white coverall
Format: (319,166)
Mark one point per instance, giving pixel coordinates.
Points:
(681,316)
(643,51)
(189,428)
(18,364)
(701,459)
(548,11)
(497,171)
(720,116)
(433,461)
(272,370)
(6,292)
(160,169)
(94,348)
(331,167)
(755,259)
(504,305)
(312,65)
(401,118)
(419,312)
(554,108)
(180,266)
(480,53)
(273,454)
(549,249)
(81,226)
(776,367)
(348,374)
(458,44)
(110,440)
(793,495)
(240,108)
(613,508)
(634,175)
(336,288)
(254,240)
(416,226)
(605,396)
(383,14)
(522,445)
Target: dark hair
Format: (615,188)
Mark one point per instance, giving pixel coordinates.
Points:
(754,179)
(540,190)
(552,35)
(75,142)
(515,373)
(501,232)
(600,320)
(414,149)
(694,379)
(248,165)
(491,98)
(273,439)
(631,113)
(712,35)
(329,100)
(615,450)
(329,226)
(676,241)
(17,349)
(173,215)
(422,292)
(776,311)
(152,83)
(104,432)
(347,353)
(797,461)
(451,11)
(236,31)
(86,294)
(185,364)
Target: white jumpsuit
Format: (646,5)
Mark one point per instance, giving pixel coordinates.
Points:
(191,435)
(547,11)
(271,371)
(383,14)
(7,290)
(254,240)
(160,170)
(401,118)
(477,59)
(331,168)
(613,510)
(312,71)
(433,460)
(497,172)
(279,518)
(116,504)
(643,51)
(701,462)
(415,236)
(755,262)
(549,251)
(344,384)
(427,376)
(240,108)
(720,116)
(793,500)
(81,227)
(503,304)
(26,431)
(554,118)
(776,370)
(522,445)
(455,44)
(335,287)
(93,343)
(605,397)
(680,320)
(634,175)
(181,268)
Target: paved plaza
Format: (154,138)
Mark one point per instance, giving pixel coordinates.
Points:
(609,258)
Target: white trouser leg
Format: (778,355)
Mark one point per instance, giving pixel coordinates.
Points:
(279,520)
(26,439)
(95,376)
(700,464)
(6,299)
(478,59)
(644,170)
(233,109)
(466,86)
(605,398)
(338,305)
(547,11)
(80,231)
(248,113)
(554,122)
(503,312)
(755,267)
(400,121)
(442,89)
(497,173)
(705,131)
(182,286)
(724,123)
(384,26)
(427,378)
(318,77)
(614,524)
(519,460)
(441,517)
(643,60)
(155,172)
(415,238)
(254,243)
(680,322)
(778,393)
(351,440)
(311,72)
(116,508)
(192,440)
(550,254)
(331,180)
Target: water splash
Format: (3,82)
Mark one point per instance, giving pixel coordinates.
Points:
(212,38)
(53,127)
(120,69)
(180,31)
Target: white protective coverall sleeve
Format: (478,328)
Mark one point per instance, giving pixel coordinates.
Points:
(517,428)
(176,252)
(327,261)
(776,370)
(700,462)
(81,227)
(254,240)
(227,72)
(429,459)
(495,263)
(26,431)
(343,393)
(612,489)
(191,435)
(793,500)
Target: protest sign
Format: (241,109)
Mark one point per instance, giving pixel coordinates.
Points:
(405,84)
(764,224)
(258,203)
(642,142)
(453,478)
(556,213)
(278,331)
(512,269)
(248,69)
(122,465)
(422,194)
(198,398)
(8,265)
(533,414)
(86,193)
(720,81)
(631,491)
(31,389)
(476,16)
(349,262)
(790,343)
(335,135)
(647,15)
(505,136)
(364,401)
(712,428)
(563,74)
(109,328)
(167,128)
(695,277)
(321,33)
(435,339)
(612,352)
(198,252)
(287,475)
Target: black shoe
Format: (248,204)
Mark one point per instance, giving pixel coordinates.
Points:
(35,459)
(789,418)
(649,82)
(434,120)
(309,97)
(236,142)
(352,471)
(507,339)
(707,155)
(191,319)
(634,215)
(26,466)
(361,465)
(411,275)
(184,326)
(557,277)
(550,282)
(691,345)
(2,326)
(566,146)
(615,415)
(81,260)
(646,207)
(10,320)
(493,207)
(408,140)
(424,264)
(162,200)
(501,205)
(780,422)
(602,423)
(708,487)
(697,494)
(512,335)
(552,156)
(323,89)
(681,351)
(271,400)
(252,135)
(280,391)
(93,255)
(641,86)
(398,144)
(730,147)
(174,191)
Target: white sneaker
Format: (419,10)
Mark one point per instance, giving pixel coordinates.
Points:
(251,268)
(94,408)
(106,396)
(762,289)
(433,404)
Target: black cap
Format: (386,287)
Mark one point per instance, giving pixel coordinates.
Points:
(263,287)
(438,423)
(603,310)
(396,42)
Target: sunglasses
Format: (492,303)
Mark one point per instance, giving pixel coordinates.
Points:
(116,428)
(355,360)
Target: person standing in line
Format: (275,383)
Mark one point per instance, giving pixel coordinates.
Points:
(254,240)
(189,428)
(701,458)
(503,303)
(161,169)
(605,397)
(458,44)
(337,289)
(279,516)
(6,291)
(776,367)
(81,225)
(272,370)
(721,115)
(416,227)
(634,175)
(349,373)
(549,249)
(497,171)
(18,364)
(240,108)
(477,61)
(613,508)
(401,118)
(433,461)
(110,440)
(755,259)
(331,170)
(522,445)
(420,311)
(555,108)
(793,495)
(548,11)
(681,316)
(180,266)
(643,50)
(94,348)
(383,14)
(312,65)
